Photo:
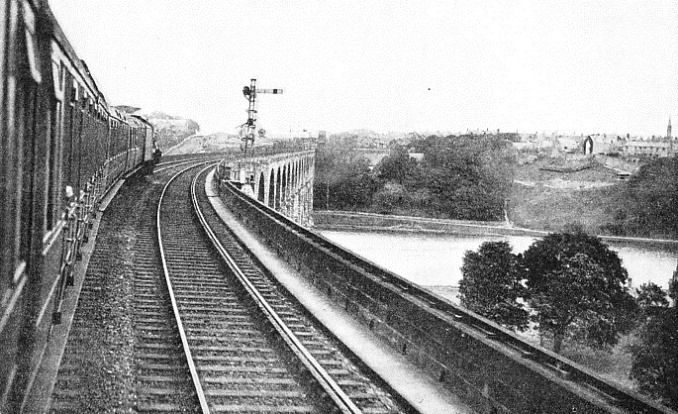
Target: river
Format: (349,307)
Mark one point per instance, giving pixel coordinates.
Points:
(435,260)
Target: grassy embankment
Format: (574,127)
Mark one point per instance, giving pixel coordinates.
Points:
(548,200)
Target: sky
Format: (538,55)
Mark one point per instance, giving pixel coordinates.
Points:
(607,66)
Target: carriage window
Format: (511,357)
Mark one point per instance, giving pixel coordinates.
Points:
(32,42)
(57,77)
(58,71)
(74,92)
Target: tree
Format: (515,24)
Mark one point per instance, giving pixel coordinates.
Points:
(652,196)
(651,298)
(491,285)
(655,359)
(576,283)
(397,167)
(469,177)
(342,178)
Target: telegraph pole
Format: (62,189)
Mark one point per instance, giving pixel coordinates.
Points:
(250,92)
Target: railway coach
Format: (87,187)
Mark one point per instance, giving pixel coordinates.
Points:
(63,148)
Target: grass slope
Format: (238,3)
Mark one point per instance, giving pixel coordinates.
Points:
(548,200)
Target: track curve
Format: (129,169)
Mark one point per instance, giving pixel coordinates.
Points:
(192,337)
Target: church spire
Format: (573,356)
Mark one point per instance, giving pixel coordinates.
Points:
(668,129)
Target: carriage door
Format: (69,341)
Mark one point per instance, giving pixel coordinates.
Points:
(28,124)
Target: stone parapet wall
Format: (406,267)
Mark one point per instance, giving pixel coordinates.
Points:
(487,366)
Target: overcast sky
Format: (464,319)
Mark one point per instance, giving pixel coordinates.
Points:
(557,65)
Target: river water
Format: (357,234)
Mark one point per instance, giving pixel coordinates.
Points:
(436,259)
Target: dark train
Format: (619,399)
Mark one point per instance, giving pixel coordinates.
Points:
(63,148)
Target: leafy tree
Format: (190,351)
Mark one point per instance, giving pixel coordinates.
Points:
(390,198)
(397,167)
(491,285)
(343,179)
(462,177)
(651,298)
(577,283)
(655,359)
(652,196)
(355,190)
(468,177)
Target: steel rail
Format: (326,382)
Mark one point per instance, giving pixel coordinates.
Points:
(340,398)
(187,352)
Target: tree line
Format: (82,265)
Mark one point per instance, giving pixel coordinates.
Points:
(572,288)
(459,177)
(650,206)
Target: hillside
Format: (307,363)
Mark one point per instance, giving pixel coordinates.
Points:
(171,130)
(217,142)
(596,199)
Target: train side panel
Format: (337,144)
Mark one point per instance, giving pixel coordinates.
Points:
(64,148)
(13,280)
(30,151)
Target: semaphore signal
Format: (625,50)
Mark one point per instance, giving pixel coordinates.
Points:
(250,126)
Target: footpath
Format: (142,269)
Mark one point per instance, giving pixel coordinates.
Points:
(359,221)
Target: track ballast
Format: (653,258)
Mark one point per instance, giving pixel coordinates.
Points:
(240,361)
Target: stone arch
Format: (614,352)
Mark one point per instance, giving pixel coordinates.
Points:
(290,175)
(285,184)
(296,174)
(261,193)
(299,173)
(278,188)
(271,189)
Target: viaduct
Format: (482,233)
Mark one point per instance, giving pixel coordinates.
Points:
(279,176)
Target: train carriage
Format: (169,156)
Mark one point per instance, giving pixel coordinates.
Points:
(63,147)
(138,135)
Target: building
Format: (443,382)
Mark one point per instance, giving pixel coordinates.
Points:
(652,149)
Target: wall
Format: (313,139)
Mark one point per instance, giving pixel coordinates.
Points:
(486,365)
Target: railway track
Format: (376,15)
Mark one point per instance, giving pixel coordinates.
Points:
(123,350)
(206,330)
(248,360)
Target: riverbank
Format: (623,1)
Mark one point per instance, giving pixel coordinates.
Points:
(359,221)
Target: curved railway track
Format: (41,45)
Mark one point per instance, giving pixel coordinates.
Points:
(123,349)
(254,347)
(207,330)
